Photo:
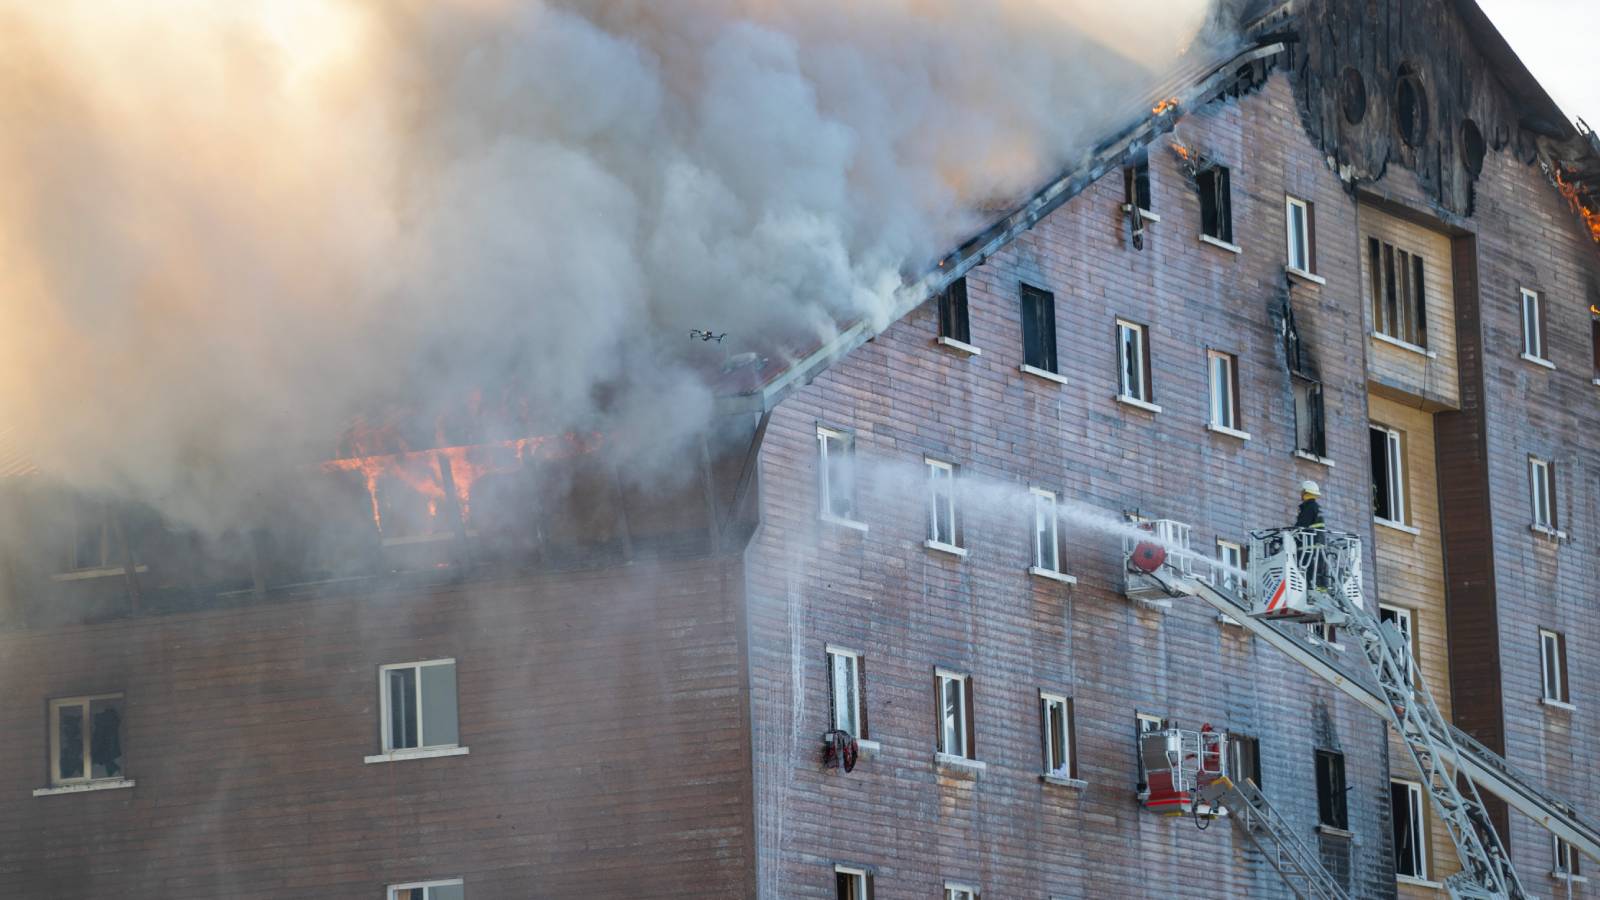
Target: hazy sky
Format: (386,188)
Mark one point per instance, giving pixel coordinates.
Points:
(1555,39)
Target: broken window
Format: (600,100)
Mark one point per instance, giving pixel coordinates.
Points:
(448,889)
(1056,718)
(960,892)
(1553,663)
(942,503)
(1567,861)
(93,542)
(851,884)
(1143,723)
(1410,830)
(1302,236)
(953,322)
(1542,487)
(954,696)
(1398,293)
(1038,328)
(419,705)
(1532,325)
(1046,553)
(1388,476)
(85,739)
(1310,436)
(1401,618)
(1133,362)
(836,473)
(1331,809)
(1224,377)
(1216,203)
(845,674)
(1244,758)
(1136,184)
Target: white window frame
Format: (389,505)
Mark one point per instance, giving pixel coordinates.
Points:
(947,678)
(852,711)
(1139,391)
(1047,701)
(859,875)
(1231,554)
(1416,813)
(1045,509)
(1541,492)
(1563,856)
(422,726)
(85,701)
(1533,326)
(395,889)
(846,443)
(957,891)
(1299,241)
(1224,396)
(1395,461)
(1404,618)
(941,485)
(1552,662)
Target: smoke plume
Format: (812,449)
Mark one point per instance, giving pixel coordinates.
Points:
(230,229)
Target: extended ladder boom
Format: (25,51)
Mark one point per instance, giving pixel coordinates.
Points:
(1275,837)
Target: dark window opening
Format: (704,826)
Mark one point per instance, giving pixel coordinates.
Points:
(87,732)
(1410,107)
(852,885)
(953,322)
(1038,328)
(1136,184)
(1331,810)
(1310,434)
(1594,340)
(1405,813)
(1399,296)
(1244,758)
(1353,96)
(1216,203)
(1473,148)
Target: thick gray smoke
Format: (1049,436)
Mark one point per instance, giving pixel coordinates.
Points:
(228,229)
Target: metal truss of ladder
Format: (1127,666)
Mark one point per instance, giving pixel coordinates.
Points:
(1296,863)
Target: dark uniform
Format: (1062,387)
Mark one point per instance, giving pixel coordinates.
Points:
(1310,517)
(1310,514)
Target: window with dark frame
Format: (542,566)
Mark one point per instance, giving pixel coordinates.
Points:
(1553,665)
(953,321)
(1410,830)
(1331,808)
(1244,758)
(1542,493)
(1133,361)
(1310,434)
(1388,475)
(852,884)
(1302,236)
(1136,184)
(953,693)
(1038,328)
(86,739)
(1216,203)
(1399,293)
(1223,374)
(1055,711)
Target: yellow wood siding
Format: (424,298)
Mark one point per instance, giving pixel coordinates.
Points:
(1394,370)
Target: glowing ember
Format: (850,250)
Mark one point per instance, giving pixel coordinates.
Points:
(1574,195)
(1164,106)
(1191,159)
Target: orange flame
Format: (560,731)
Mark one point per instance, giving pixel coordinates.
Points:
(1570,190)
(1164,106)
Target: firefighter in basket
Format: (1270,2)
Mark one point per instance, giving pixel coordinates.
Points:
(1310,527)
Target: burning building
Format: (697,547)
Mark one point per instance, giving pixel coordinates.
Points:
(873,629)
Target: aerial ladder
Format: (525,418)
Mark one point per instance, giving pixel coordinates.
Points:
(1312,576)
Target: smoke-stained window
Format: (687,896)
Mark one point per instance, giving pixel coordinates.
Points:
(942,518)
(446,889)
(1216,203)
(1553,664)
(93,538)
(1542,488)
(1136,184)
(846,682)
(1310,434)
(1388,475)
(1301,226)
(419,705)
(1244,758)
(1398,291)
(1332,810)
(1038,328)
(836,474)
(953,320)
(1410,830)
(86,739)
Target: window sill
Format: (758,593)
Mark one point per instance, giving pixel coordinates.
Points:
(1037,372)
(1597,381)
(1303,275)
(96,572)
(1419,882)
(1312,457)
(1145,405)
(866,749)
(1551,533)
(419,753)
(1144,214)
(1331,831)
(1077,784)
(1575,879)
(1397,526)
(1062,577)
(1230,432)
(1219,242)
(1539,361)
(1404,345)
(1225,619)
(103,784)
(958,346)
(941,547)
(851,524)
(1562,705)
(959,765)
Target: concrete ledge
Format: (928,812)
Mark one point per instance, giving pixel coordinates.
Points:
(1077,784)
(1562,705)
(1397,526)
(1335,832)
(958,346)
(419,753)
(102,784)
(1220,243)
(958,765)
(868,749)
(1037,372)
(1538,360)
(1404,345)
(1136,403)
(1062,577)
(1312,457)
(1303,275)
(1230,432)
(96,572)
(851,524)
(942,547)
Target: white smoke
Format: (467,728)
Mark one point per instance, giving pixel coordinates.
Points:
(229,228)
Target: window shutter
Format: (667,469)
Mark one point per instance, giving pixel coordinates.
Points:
(1233,370)
(972,729)
(1225,208)
(1420,297)
(1561,656)
(861,694)
(1144,347)
(868,880)
(1311,236)
(938,713)
(1044,733)
(1550,491)
(1072,738)
(833,691)
(1544,351)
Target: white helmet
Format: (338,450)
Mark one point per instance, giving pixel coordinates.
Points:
(1310,487)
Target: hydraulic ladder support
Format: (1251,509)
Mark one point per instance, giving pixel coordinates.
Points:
(1271,834)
